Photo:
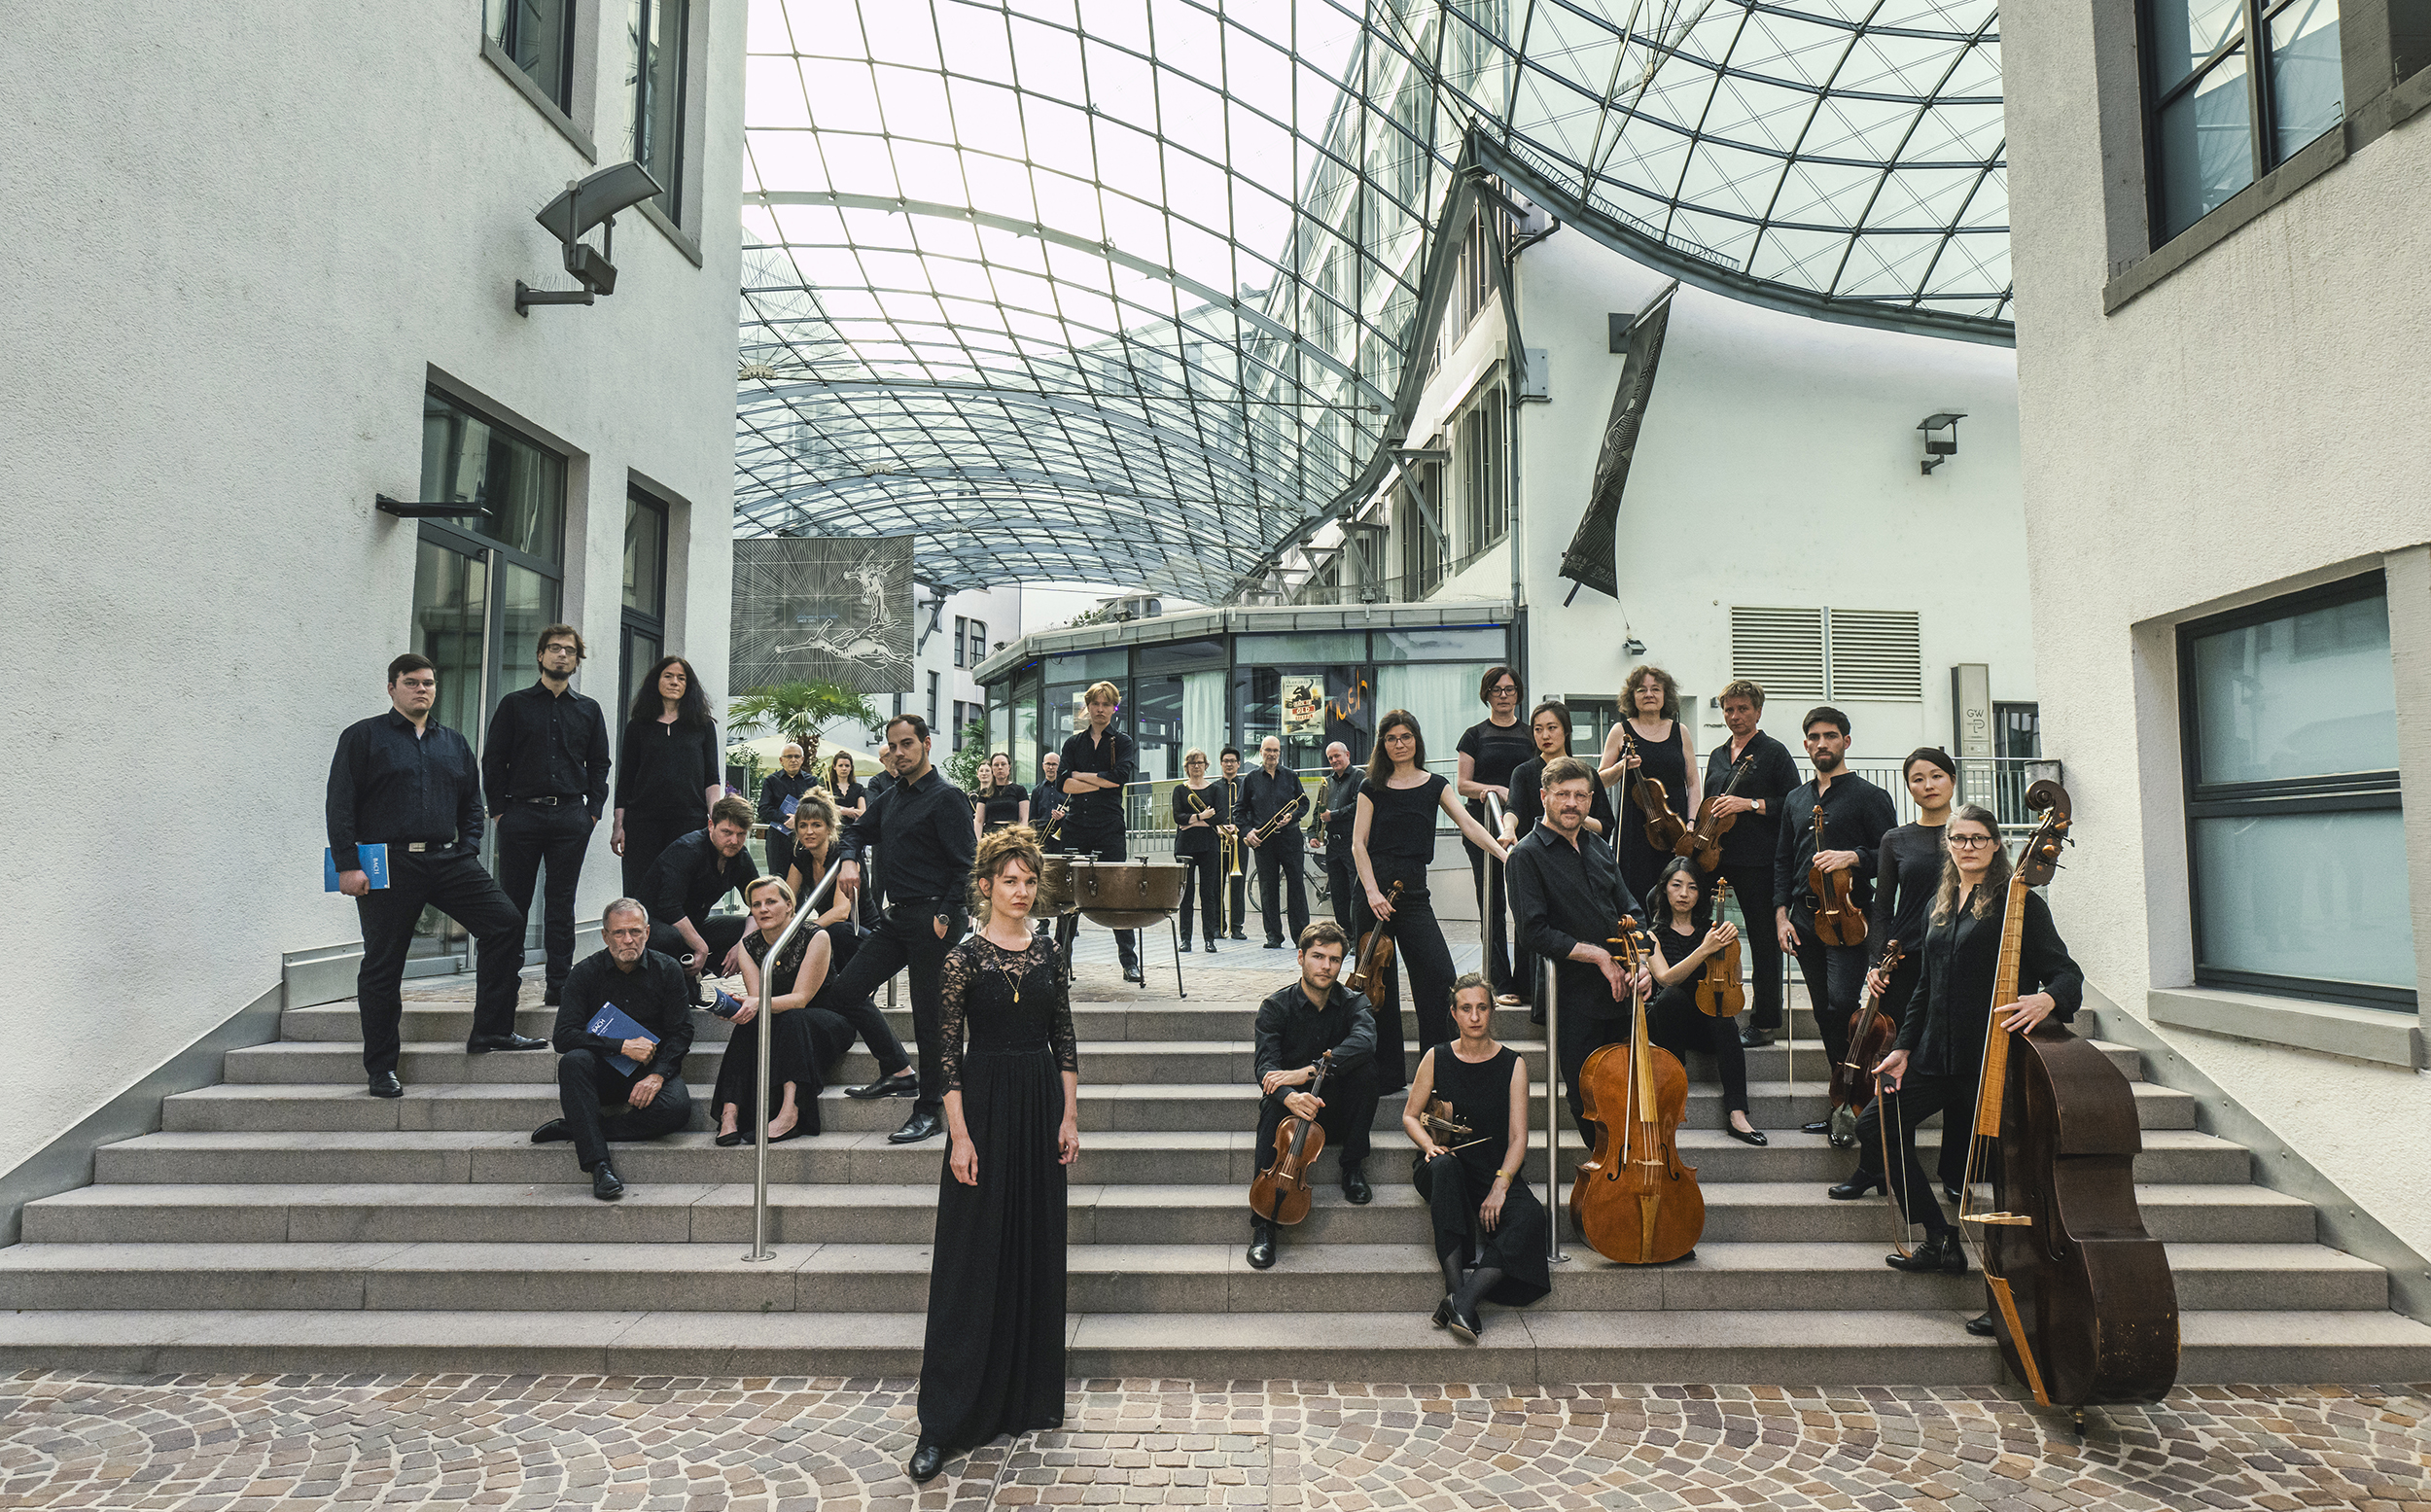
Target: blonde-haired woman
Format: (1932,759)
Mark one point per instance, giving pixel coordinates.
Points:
(816,824)
(994,1360)
(1200,812)
(1660,748)
(794,979)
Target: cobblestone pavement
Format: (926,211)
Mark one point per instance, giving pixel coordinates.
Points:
(272,1443)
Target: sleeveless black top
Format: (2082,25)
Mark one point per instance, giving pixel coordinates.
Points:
(1665,761)
(1401,833)
(1481,1098)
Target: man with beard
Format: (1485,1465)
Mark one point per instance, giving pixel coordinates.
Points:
(1855,815)
(546,767)
(686,882)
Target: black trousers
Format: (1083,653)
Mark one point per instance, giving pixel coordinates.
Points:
(1342,882)
(1677,1027)
(1834,980)
(1903,982)
(907,937)
(1349,1118)
(1417,946)
(1919,1098)
(779,848)
(586,1078)
(1587,1025)
(458,887)
(1278,856)
(534,836)
(1494,922)
(1751,887)
(720,931)
(1200,887)
(649,831)
(1099,835)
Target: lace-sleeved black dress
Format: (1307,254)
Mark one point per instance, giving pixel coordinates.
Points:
(993,1361)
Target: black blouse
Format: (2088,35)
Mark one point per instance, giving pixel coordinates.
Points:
(668,768)
(1962,959)
(1004,805)
(1494,751)
(1908,871)
(1401,833)
(1004,1000)
(789,964)
(1198,839)
(854,793)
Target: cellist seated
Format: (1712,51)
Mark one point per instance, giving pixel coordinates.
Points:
(1296,1027)
(1467,1115)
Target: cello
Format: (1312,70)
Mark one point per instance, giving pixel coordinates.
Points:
(2084,1303)
(1665,830)
(1634,1201)
(1838,921)
(1869,1034)
(1375,952)
(1281,1194)
(1720,992)
(1702,843)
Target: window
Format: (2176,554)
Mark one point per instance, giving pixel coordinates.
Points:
(644,636)
(932,702)
(538,37)
(2234,89)
(1486,509)
(2295,837)
(961,638)
(1422,549)
(978,642)
(656,28)
(1871,655)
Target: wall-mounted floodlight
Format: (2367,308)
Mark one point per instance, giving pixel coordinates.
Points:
(1633,647)
(586,203)
(1940,438)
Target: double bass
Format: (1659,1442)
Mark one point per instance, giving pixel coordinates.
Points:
(1634,1202)
(1838,920)
(2083,1300)
(1375,951)
(1281,1193)
(1869,1034)
(1665,830)
(1702,843)
(1720,992)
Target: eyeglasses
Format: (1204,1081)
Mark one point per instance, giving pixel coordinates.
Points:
(1968,842)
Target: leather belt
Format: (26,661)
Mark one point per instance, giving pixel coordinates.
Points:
(552,800)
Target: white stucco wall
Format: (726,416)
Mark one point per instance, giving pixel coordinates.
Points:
(1778,466)
(2249,424)
(246,239)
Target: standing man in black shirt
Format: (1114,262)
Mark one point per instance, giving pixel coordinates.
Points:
(1265,793)
(1856,814)
(650,1099)
(1567,896)
(1230,854)
(545,769)
(1095,764)
(686,882)
(788,782)
(1296,1026)
(921,827)
(1748,844)
(400,781)
(1047,800)
(1337,810)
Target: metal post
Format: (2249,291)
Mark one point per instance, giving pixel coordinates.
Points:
(1553,1113)
(868,876)
(805,909)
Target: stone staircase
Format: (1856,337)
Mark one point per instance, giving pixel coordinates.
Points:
(285,1220)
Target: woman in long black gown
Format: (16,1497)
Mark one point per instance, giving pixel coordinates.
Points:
(1489,1228)
(994,1361)
(1659,742)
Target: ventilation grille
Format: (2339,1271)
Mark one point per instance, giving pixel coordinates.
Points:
(1877,654)
(1859,654)
(1780,648)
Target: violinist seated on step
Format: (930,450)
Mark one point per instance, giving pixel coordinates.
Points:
(1467,1115)
(1686,939)
(1854,816)
(1940,1051)
(1566,897)
(611,1089)
(1296,1027)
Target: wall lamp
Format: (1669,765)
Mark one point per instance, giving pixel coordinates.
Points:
(586,203)
(1938,446)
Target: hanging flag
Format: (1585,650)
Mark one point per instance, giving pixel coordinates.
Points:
(1589,562)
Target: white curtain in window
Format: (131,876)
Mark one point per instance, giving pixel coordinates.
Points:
(1204,721)
(1442,696)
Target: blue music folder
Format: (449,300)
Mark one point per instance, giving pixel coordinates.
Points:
(614,1023)
(788,807)
(374,860)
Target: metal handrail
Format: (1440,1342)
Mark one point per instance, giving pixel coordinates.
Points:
(1552,1000)
(803,908)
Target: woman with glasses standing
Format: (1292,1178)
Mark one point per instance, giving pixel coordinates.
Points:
(669,770)
(1490,751)
(1657,748)
(1394,841)
(1200,813)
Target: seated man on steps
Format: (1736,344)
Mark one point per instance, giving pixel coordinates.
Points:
(1296,1026)
(600,1098)
(686,882)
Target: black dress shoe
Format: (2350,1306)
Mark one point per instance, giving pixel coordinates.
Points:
(1754,1136)
(1237,935)
(1980,1327)
(385,1084)
(1354,1187)
(549,996)
(1261,1247)
(483,1044)
(1940,1251)
(904,1085)
(1211,947)
(1464,1321)
(1274,944)
(1443,1311)
(1954,1195)
(1754,1039)
(925,1462)
(1185,947)
(1132,974)
(722,1140)
(1819,1126)
(606,1185)
(919,1126)
(551,1132)
(1855,1188)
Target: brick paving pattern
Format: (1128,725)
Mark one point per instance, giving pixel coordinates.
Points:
(275,1443)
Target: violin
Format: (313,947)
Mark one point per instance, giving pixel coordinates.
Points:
(1443,1123)
(1281,1194)
(1720,992)
(1664,829)
(1702,843)
(1836,920)
(2084,1303)
(1869,1034)
(1634,1201)
(1375,951)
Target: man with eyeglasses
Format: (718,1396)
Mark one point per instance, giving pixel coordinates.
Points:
(406,782)
(1855,816)
(546,768)
(1269,793)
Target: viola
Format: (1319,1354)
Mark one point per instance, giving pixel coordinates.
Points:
(1281,1194)
(1836,920)
(2084,1303)
(1664,829)
(1702,843)
(1634,1202)
(1869,1034)
(1375,951)
(1720,992)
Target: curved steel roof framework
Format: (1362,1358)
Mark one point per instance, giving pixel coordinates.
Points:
(1126,289)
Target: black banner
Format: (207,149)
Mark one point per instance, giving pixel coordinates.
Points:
(1589,562)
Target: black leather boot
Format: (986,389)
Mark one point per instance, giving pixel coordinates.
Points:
(1450,1288)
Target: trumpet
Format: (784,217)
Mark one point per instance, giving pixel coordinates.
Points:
(1283,817)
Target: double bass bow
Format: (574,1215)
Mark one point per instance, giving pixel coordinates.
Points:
(1838,920)
(2084,1303)
(1720,992)
(1665,830)
(1634,1202)
(1281,1193)
(1702,843)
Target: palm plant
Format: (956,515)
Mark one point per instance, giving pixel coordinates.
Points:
(795,710)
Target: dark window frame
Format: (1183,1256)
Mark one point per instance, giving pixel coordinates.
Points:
(633,621)
(668,167)
(2252,40)
(563,97)
(2343,793)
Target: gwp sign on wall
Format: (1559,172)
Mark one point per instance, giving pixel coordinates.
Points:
(826,608)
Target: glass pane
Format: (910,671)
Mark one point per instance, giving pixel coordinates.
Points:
(539,36)
(1157,724)
(641,650)
(1267,650)
(2185,32)
(2307,89)
(2207,147)
(1026,751)
(526,601)
(467,459)
(1181,656)
(657,31)
(645,556)
(1484,645)
(1309,707)
(451,614)
(2310,696)
(2321,896)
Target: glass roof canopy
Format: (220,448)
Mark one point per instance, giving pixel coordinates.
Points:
(1124,290)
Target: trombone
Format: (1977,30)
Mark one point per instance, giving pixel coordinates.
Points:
(1228,848)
